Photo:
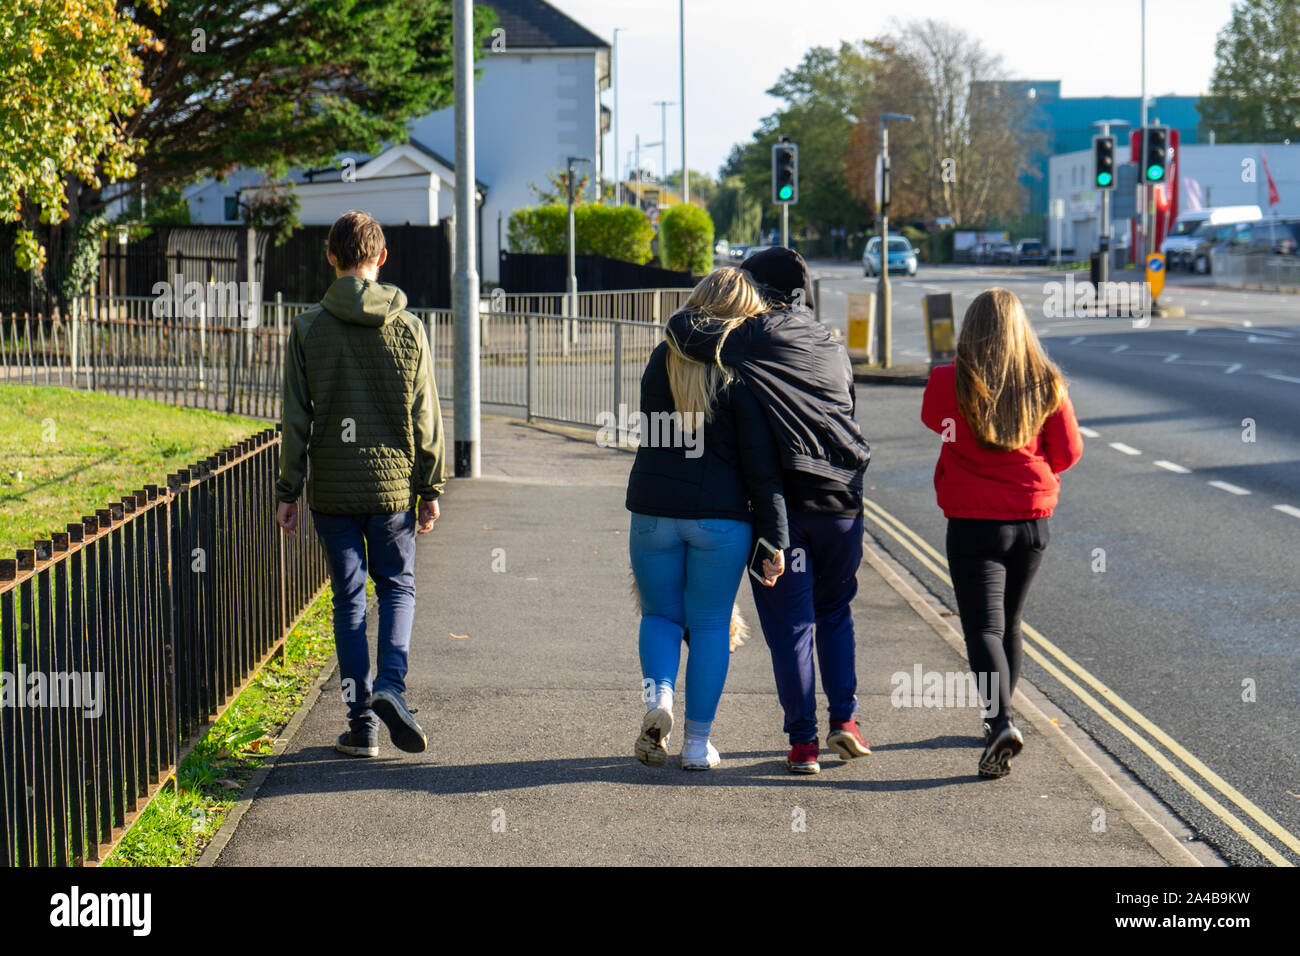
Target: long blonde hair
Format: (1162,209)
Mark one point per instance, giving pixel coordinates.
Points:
(725,295)
(1006,385)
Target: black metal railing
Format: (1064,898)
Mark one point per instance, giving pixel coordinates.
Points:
(123,638)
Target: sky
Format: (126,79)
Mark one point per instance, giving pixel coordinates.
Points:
(736,49)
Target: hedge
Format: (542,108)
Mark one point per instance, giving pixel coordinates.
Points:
(618,232)
(686,239)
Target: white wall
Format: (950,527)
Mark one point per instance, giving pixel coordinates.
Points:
(393,201)
(532,111)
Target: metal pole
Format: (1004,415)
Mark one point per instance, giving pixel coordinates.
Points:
(638,170)
(785,224)
(663,138)
(572,304)
(1103,244)
(465,280)
(618,179)
(1143,190)
(883,303)
(681,56)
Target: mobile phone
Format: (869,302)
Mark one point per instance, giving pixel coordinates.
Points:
(763,551)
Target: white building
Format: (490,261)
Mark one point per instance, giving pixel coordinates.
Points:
(536,103)
(1228,174)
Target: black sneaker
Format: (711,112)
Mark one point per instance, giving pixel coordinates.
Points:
(996,760)
(359,743)
(392,710)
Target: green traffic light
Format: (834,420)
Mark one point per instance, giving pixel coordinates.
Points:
(1103,179)
(1155,172)
(786,192)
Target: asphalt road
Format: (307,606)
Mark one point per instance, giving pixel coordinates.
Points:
(1193,621)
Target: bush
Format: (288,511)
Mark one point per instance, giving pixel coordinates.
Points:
(686,239)
(615,232)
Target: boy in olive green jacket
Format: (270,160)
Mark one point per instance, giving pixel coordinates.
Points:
(360,402)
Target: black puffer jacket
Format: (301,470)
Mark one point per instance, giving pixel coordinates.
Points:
(729,469)
(802,377)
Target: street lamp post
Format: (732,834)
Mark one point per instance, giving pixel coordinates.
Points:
(663,136)
(681,56)
(618,179)
(884,311)
(465,281)
(573,270)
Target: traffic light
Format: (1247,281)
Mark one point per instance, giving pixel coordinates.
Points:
(1103,162)
(785,173)
(1155,154)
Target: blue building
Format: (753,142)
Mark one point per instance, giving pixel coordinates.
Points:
(1065,125)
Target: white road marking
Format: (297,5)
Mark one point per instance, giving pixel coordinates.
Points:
(1087,432)
(1077,339)
(1291,510)
(1123,448)
(1171,466)
(1229,488)
(1235,366)
(1118,348)
(1173,357)
(1284,378)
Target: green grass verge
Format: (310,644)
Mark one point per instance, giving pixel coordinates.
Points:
(65,452)
(180,822)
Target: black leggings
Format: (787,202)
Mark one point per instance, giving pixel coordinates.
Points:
(992,564)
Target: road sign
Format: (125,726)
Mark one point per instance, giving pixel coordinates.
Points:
(1058,208)
(940,329)
(1155,274)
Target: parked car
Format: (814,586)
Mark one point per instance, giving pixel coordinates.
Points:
(1030,251)
(722,249)
(1267,237)
(1002,253)
(902,257)
(737,253)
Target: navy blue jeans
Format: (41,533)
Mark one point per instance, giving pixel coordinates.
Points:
(384,545)
(810,603)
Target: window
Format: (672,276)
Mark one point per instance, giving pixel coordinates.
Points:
(232,208)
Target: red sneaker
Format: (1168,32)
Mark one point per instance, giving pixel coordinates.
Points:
(802,758)
(846,740)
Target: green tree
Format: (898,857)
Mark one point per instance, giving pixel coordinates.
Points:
(265,86)
(68,74)
(822,96)
(703,186)
(736,215)
(1254,96)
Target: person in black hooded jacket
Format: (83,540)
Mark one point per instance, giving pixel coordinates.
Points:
(803,378)
(705,480)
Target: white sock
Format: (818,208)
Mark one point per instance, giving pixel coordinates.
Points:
(698,730)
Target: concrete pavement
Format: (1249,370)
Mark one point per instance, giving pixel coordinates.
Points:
(528,683)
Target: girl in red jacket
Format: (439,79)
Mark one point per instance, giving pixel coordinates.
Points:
(1008,431)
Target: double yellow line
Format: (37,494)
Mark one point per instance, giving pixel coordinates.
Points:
(1056,662)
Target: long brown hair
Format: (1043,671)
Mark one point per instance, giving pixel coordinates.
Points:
(726,295)
(1006,385)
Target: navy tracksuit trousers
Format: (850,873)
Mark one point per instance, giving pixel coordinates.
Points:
(810,603)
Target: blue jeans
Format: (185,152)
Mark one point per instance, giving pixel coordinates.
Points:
(384,545)
(814,597)
(687,572)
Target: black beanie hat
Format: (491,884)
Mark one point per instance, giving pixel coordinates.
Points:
(781,270)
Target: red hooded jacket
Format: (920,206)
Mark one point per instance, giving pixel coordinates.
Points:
(975,482)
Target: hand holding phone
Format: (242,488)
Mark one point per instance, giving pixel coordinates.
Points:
(767,563)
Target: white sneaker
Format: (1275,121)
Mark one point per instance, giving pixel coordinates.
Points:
(699,755)
(652,744)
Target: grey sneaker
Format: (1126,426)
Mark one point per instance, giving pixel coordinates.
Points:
(699,755)
(359,743)
(392,710)
(996,759)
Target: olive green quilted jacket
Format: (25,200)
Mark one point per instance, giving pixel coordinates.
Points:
(360,402)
